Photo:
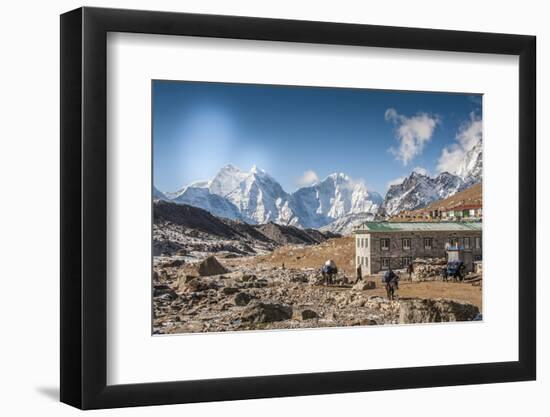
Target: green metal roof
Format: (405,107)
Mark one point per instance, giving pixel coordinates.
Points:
(419,226)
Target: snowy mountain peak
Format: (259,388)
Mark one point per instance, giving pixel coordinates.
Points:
(230,168)
(256,197)
(338,177)
(418,190)
(255,169)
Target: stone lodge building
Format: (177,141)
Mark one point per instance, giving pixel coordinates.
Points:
(379,245)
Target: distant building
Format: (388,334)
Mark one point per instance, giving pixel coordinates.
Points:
(460,212)
(379,245)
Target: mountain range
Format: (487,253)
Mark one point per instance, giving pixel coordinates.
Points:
(418,190)
(257,198)
(335,204)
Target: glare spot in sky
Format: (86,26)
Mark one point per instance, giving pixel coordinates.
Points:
(209,135)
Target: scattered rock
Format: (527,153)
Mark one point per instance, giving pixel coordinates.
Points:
(248,277)
(174,263)
(242,298)
(230,290)
(427,269)
(365,285)
(300,278)
(196,284)
(416,310)
(211,266)
(159,290)
(309,314)
(260,312)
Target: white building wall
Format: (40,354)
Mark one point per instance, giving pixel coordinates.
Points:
(362,253)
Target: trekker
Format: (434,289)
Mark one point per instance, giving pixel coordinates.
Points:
(359,273)
(410,270)
(390,276)
(391,282)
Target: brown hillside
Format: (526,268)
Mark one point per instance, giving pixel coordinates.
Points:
(340,250)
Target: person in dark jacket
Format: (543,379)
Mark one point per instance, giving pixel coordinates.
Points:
(410,270)
(391,281)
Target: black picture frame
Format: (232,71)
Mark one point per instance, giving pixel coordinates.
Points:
(84,207)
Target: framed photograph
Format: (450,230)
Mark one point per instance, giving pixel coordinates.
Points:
(257,208)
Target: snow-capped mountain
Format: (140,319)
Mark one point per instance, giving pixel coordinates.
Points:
(345,224)
(418,190)
(198,195)
(158,195)
(470,169)
(333,198)
(256,197)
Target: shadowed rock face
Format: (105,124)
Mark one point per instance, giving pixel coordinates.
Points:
(211,266)
(259,312)
(415,310)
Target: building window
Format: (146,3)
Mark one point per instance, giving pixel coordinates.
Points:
(428,243)
(358,242)
(406,261)
(466,243)
(366,243)
(384,244)
(406,244)
(366,261)
(358,260)
(385,263)
(478,243)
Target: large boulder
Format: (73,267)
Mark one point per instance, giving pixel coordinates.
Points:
(309,314)
(159,290)
(364,285)
(416,310)
(211,266)
(197,284)
(242,298)
(262,312)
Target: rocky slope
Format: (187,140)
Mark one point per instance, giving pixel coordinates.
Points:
(190,233)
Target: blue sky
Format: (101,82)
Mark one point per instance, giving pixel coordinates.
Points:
(300,134)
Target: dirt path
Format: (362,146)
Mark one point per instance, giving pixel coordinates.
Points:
(437,289)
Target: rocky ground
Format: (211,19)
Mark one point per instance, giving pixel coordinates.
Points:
(212,275)
(208,297)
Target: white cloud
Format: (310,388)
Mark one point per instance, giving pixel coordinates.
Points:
(309,177)
(422,171)
(395,181)
(412,133)
(469,134)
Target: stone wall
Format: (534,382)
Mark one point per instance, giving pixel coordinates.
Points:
(396,252)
